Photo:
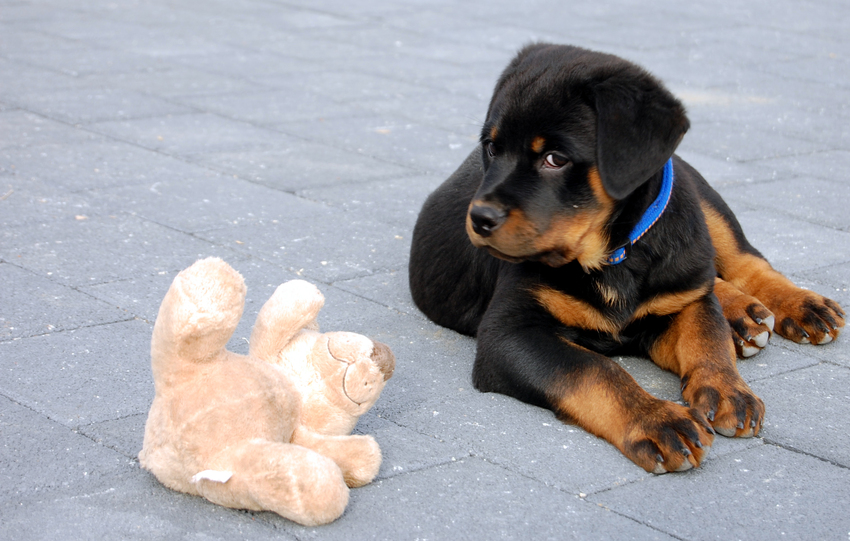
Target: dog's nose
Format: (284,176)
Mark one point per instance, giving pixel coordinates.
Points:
(486,219)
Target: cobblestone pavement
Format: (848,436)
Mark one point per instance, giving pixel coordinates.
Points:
(296,138)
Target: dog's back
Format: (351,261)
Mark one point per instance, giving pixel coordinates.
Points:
(451,280)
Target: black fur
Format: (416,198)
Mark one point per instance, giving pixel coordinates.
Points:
(600,112)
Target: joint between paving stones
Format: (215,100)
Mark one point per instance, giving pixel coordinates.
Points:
(793,449)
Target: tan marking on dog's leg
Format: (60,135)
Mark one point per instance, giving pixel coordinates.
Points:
(698,348)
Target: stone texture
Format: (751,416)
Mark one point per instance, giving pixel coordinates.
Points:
(299,140)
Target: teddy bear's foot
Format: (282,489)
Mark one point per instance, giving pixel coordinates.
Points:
(359,457)
(293,481)
(199,313)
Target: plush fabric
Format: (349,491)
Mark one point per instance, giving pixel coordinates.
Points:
(266,431)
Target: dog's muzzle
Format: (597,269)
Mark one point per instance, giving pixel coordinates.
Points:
(486,219)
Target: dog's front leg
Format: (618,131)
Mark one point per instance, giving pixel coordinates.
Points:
(523,352)
(698,347)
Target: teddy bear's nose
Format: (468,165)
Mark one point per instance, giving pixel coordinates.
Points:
(383,357)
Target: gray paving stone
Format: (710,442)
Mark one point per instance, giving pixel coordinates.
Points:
(445,503)
(404,450)
(21,79)
(763,493)
(142,295)
(269,107)
(247,60)
(125,435)
(37,305)
(295,164)
(131,506)
(357,110)
(87,251)
(460,85)
(346,86)
(777,116)
(187,134)
(389,289)
(832,281)
(172,82)
(810,408)
(829,165)
(815,201)
(84,61)
(325,252)
(96,105)
(203,202)
(792,245)
(396,200)
(412,145)
(45,455)
(726,172)
(81,376)
(331,53)
(21,204)
(47,169)
(741,142)
(22,129)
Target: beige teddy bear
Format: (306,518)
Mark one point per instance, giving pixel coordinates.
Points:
(267,431)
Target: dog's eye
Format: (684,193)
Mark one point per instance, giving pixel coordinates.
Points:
(555,161)
(491,149)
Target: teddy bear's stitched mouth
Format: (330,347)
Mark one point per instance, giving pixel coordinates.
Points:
(344,374)
(344,378)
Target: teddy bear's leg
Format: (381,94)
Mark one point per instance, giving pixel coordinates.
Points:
(293,481)
(359,457)
(293,306)
(198,314)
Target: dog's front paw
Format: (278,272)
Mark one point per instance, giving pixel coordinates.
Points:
(750,320)
(751,324)
(807,317)
(666,437)
(727,402)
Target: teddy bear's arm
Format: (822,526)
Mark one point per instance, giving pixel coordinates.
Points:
(293,306)
(359,457)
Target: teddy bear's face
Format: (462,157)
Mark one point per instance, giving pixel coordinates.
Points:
(355,370)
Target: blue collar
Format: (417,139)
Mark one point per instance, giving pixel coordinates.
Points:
(655,210)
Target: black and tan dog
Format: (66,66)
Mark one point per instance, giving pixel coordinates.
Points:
(590,238)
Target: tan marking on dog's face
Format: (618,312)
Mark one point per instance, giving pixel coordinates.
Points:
(509,239)
(494,132)
(537,144)
(578,235)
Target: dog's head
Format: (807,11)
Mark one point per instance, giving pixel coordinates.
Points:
(570,135)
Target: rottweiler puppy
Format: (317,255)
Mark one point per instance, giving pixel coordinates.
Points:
(573,232)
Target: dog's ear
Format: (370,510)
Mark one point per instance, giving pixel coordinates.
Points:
(639,125)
